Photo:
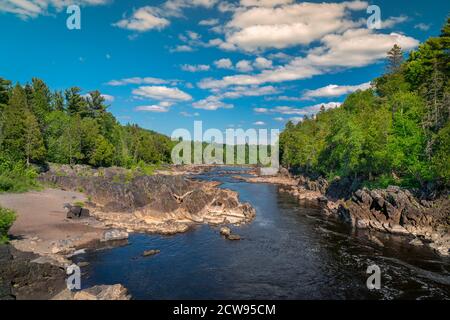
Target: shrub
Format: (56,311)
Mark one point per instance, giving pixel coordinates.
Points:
(7,218)
(16,176)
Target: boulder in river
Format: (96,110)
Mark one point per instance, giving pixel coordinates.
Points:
(114,234)
(149,253)
(225,231)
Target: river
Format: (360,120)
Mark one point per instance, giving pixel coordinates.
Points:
(290,251)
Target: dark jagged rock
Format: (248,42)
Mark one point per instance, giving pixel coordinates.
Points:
(396,210)
(21,278)
(163,200)
(76,212)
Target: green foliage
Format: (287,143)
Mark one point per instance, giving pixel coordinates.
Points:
(397,133)
(7,218)
(17,176)
(37,125)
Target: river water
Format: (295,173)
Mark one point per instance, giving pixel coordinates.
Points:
(289,251)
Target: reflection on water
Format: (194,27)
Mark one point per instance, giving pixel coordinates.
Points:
(287,252)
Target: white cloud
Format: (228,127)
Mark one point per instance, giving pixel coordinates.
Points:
(244,66)
(137,81)
(182,48)
(353,48)
(244,91)
(143,19)
(152,17)
(33,8)
(334,90)
(422,26)
(224,64)
(393,21)
(209,22)
(303,111)
(161,93)
(279,119)
(262,27)
(108,98)
(259,123)
(262,63)
(193,35)
(195,68)
(153,108)
(211,103)
(264,3)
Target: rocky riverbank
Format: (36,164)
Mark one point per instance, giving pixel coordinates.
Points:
(165,204)
(393,210)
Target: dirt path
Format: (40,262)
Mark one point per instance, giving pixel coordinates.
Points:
(41,226)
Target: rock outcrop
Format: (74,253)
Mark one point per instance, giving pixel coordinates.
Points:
(393,210)
(159,203)
(23,276)
(102,292)
(396,210)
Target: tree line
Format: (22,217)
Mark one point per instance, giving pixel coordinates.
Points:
(38,125)
(397,132)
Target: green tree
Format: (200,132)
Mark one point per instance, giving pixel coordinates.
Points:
(103,152)
(34,144)
(13,126)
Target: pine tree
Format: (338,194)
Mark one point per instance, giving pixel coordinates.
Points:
(5,88)
(96,104)
(34,144)
(13,126)
(395,59)
(40,101)
(57,101)
(76,104)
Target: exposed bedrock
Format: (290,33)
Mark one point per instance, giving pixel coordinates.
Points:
(159,203)
(393,210)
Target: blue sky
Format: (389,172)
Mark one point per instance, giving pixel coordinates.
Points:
(248,63)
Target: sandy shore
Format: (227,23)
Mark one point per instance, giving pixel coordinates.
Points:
(41,226)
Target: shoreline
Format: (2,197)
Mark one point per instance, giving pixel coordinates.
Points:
(71,237)
(358,212)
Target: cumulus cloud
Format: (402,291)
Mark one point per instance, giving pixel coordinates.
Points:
(244,66)
(161,93)
(195,68)
(143,19)
(151,17)
(262,63)
(244,91)
(33,8)
(353,48)
(334,90)
(282,24)
(211,103)
(223,64)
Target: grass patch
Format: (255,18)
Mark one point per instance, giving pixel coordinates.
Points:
(7,218)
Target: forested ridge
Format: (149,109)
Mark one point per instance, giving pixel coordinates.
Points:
(38,125)
(397,132)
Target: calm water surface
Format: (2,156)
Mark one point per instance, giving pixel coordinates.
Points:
(288,252)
